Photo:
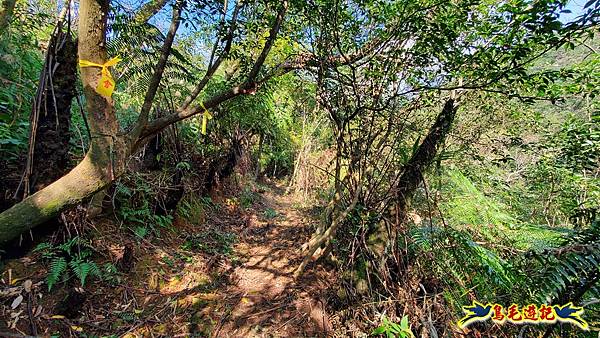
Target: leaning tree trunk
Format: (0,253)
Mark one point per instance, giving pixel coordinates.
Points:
(84,180)
(108,150)
(422,158)
(379,239)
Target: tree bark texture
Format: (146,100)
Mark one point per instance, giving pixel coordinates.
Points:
(422,158)
(50,124)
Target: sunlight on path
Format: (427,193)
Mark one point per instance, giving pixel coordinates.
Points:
(264,298)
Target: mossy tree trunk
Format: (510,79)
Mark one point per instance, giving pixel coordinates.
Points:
(422,158)
(378,237)
(71,189)
(105,158)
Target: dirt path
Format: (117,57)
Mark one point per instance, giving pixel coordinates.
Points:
(263,297)
(191,281)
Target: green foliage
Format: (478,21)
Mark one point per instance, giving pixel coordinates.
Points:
(20,64)
(270,213)
(70,258)
(486,204)
(468,205)
(110,274)
(58,267)
(571,271)
(469,260)
(127,316)
(193,208)
(390,329)
(211,241)
(82,268)
(536,237)
(136,69)
(560,184)
(138,201)
(248,197)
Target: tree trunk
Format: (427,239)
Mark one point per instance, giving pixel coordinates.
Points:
(109,149)
(379,240)
(105,159)
(6,13)
(258,155)
(51,118)
(320,239)
(422,158)
(84,180)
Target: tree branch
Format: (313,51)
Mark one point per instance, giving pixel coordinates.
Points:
(249,86)
(149,10)
(212,67)
(158,71)
(270,41)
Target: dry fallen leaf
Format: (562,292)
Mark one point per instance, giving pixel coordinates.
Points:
(57,317)
(16,302)
(76,328)
(17,317)
(27,285)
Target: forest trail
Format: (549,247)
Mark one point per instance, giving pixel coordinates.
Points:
(261,293)
(225,272)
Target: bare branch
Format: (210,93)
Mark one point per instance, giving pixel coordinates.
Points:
(249,86)
(270,41)
(149,10)
(158,71)
(212,67)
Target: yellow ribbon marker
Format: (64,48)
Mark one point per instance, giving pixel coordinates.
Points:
(106,85)
(205,117)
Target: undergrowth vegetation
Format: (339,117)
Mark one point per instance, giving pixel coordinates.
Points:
(73,258)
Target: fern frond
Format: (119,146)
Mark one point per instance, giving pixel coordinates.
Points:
(57,268)
(83,269)
(138,44)
(574,269)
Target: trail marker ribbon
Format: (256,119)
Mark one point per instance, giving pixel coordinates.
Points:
(205,117)
(106,85)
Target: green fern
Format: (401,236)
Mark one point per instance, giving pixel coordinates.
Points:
(466,260)
(138,63)
(69,258)
(127,316)
(573,269)
(83,269)
(58,267)
(45,249)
